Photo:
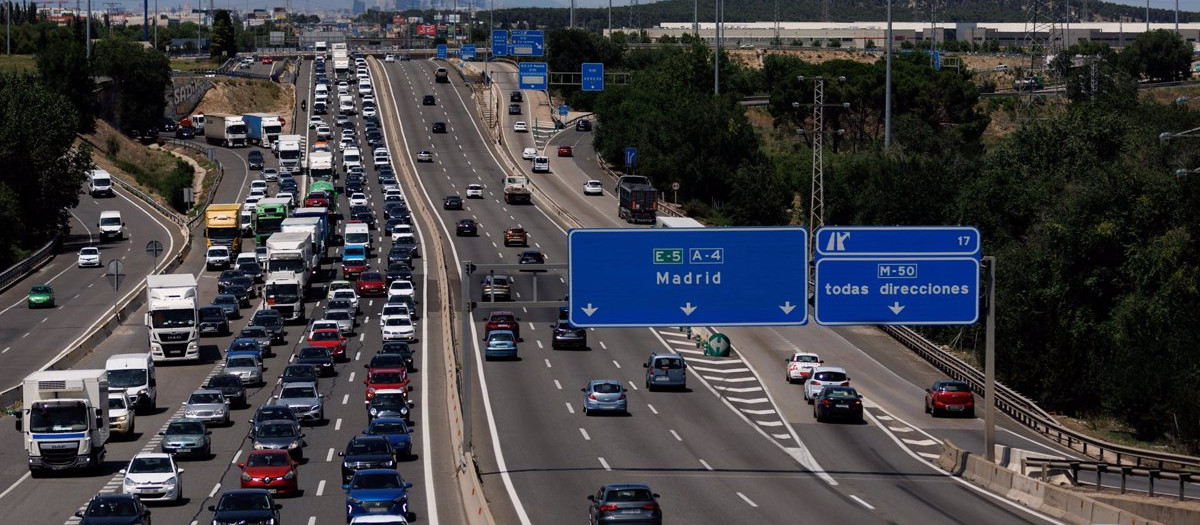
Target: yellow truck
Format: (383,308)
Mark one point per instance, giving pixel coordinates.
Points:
(221,226)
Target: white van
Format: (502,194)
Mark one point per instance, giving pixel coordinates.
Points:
(364,87)
(111,225)
(358,234)
(100,183)
(133,375)
(346,104)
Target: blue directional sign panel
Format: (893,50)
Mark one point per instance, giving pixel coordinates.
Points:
(533,75)
(630,156)
(441,51)
(499,43)
(593,76)
(527,42)
(563,110)
(624,277)
(467,52)
(897,275)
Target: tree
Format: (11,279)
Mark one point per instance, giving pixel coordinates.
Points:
(1158,55)
(142,76)
(224,42)
(63,68)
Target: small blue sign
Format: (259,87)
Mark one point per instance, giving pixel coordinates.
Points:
(897,275)
(593,76)
(499,43)
(630,156)
(563,110)
(467,52)
(687,276)
(527,42)
(532,75)
(441,51)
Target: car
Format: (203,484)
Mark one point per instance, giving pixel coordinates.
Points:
(334,286)
(185,133)
(531,257)
(398,270)
(428,100)
(665,371)
(529,153)
(214,319)
(514,109)
(371,491)
(255,160)
(520,126)
(322,324)
(258,335)
(366,452)
(800,365)
(823,376)
(502,320)
(385,378)
(363,214)
(341,121)
(268,60)
(400,253)
(397,329)
(315,121)
(583,125)
(496,287)
(516,237)
(397,349)
(452,202)
(254,271)
(369,110)
(271,469)
(405,288)
(304,401)
(89,256)
(567,335)
(299,373)
(332,340)
(324,132)
(466,227)
(245,506)
(500,344)
(424,156)
(397,432)
(541,164)
(515,96)
(372,284)
(389,58)
(838,402)
(604,395)
(624,503)
(114,509)
(358,199)
(280,434)
(399,229)
(407,240)
(439,127)
(233,276)
(246,366)
(207,405)
(186,437)
(319,357)
(241,292)
(153,476)
(345,294)
(389,402)
(474,191)
(271,320)
(121,419)
(949,397)
(565,151)
(218,257)
(231,386)
(593,187)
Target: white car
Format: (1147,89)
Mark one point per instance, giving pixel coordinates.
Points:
(401,230)
(89,256)
(389,58)
(153,476)
(397,329)
(424,156)
(245,257)
(270,174)
(347,142)
(121,416)
(253,199)
(358,199)
(323,132)
(393,192)
(474,191)
(346,294)
(402,288)
(520,126)
(380,160)
(334,286)
(529,153)
(394,310)
(258,185)
(321,324)
(800,365)
(823,376)
(257,194)
(369,97)
(218,257)
(541,164)
(314,121)
(593,187)
(368,111)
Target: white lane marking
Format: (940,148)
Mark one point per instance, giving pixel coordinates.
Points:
(747,500)
(739,390)
(618,365)
(782,436)
(345,399)
(706,465)
(688,351)
(6,349)
(633,385)
(586,437)
(329,456)
(672,334)
(900,429)
(757,412)
(321,488)
(720,370)
(770,423)
(351,379)
(605,464)
(748,401)
(929,455)
(676,434)
(604,346)
(540,347)
(216,488)
(861,502)
(885,418)
(531,327)
(548,364)
(337,425)
(652,409)
(312,520)
(235,458)
(570,408)
(557,384)
(919,442)
(730,379)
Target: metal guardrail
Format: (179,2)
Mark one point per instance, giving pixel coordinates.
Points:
(1028,413)
(27,265)
(1100,468)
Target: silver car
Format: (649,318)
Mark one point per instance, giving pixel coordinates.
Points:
(280,434)
(823,376)
(246,367)
(344,320)
(604,395)
(304,401)
(209,406)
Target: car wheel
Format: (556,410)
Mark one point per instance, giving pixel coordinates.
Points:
(585,411)
(926,404)
(933,411)
(971,413)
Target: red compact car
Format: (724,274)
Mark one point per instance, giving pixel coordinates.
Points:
(317,199)
(372,284)
(502,320)
(564,151)
(385,379)
(274,470)
(268,60)
(949,397)
(329,338)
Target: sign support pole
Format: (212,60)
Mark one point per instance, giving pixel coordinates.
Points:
(465,359)
(989,386)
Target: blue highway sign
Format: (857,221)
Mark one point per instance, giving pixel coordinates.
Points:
(943,241)
(527,42)
(467,52)
(532,75)
(499,43)
(625,277)
(441,51)
(630,156)
(563,110)
(593,76)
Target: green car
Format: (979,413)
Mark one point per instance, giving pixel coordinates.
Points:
(41,295)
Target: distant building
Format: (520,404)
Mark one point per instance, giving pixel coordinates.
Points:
(358,7)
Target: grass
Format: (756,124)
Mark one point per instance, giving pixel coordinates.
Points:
(17,64)
(156,170)
(180,64)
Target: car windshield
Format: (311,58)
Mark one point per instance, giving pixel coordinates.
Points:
(242,501)
(241,362)
(805,359)
(277,430)
(225,380)
(204,398)
(299,371)
(500,337)
(389,399)
(387,361)
(126,378)
(945,387)
(313,351)
(389,427)
(256,332)
(180,318)
(185,428)
(367,446)
(89,251)
(243,345)
(298,392)
(628,495)
(40,289)
(269,413)
(669,363)
(102,508)
(606,388)
(329,336)
(225,298)
(267,460)
(150,465)
(267,319)
(387,377)
(376,481)
(840,393)
(118,403)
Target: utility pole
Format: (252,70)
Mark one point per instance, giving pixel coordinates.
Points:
(887,84)
(572,25)
(717,50)
(88,33)
(146,20)
(156,24)
(989,364)
(609,19)
(1147,16)
(8,27)
(816,216)
(696,18)
(1176,17)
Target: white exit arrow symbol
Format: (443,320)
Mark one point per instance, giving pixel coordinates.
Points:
(688,308)
(896,307)
(787,307)
(589,310)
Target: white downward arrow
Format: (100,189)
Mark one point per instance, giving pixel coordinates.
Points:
(896,307)
(589,310)
(787,307)
(688,308)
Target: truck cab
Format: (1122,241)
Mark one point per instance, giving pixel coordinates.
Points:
(64,419)
(133,376)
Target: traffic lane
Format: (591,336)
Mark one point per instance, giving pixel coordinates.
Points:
(564,184)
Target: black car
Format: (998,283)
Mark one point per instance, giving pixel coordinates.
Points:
(439,127)
(401,349)
(168,125)
(272,321)
(245,506)
(382,360)
(252,270)
(260,336)
(229,277)
(374,138)
(300,373)
(272,413)
(400,254)
(583,125)
(364,452)
(185,132)
(255,159)
(213,320)
(114,509)
(429,100)
(624,503)
(567,336)
(355,186)
(241,292)
(393,208)
(230,386)
(319,357)
(514,109)
(838,402)
(363,214)
(390,405)
(516,96)
(398,270)
(531,257)
(467,227)
(452,202)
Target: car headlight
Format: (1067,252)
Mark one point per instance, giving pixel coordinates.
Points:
(245,477)
(170,482)
(121,419)
(258,446)
(293,445)
(400,499)
(316,407)
(387,463)
(129,482)
(373,411)
(290,475)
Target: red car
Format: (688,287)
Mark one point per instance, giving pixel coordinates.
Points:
(949,397)
(564,151)
(329,338)
(268,60)
(353,268)
(502,320)
(274,470)
(372,284)
(385,379)
(316,199)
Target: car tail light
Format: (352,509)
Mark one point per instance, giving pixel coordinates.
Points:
(621,397)
(650,506)
(825,402)
(816,382)
(858,401)
(271,301)
(607,508)
(592,397)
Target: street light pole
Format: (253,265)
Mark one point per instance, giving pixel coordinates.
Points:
(717,49)
(887,84)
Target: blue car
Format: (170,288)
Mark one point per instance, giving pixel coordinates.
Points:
(245,344)
(500,343)
(376,491)
(396,431)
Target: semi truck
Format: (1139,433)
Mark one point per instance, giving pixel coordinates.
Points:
(283,293)
(171,317)
(341,60)
(292,252)
(637,202)
(268,217)
(262,128)
(225,130)
(311,224)
(289,149)
(222,226)
(64,419)
(320,165)
(516,189)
